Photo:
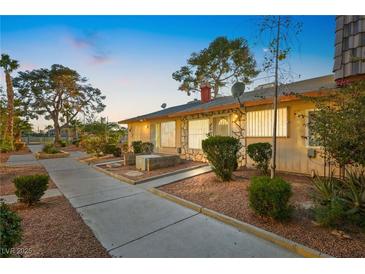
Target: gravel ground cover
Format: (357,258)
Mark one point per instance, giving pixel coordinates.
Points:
(125,170)
(5,156)
(52,229)
(231,199)
(8,173)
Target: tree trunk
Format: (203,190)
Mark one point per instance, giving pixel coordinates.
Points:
(10,109)
(273,161)
(57,131)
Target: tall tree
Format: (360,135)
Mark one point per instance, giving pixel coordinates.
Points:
(9,65)
(279,29)
(58,93)
(223,62)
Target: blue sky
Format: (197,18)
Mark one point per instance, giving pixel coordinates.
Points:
(131,58)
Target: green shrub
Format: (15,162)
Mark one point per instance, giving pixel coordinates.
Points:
(270,197)
(5,147)
(332,214)
(340,201)
(50,149)
(260,153)
(10,230)
(353,193)
(109,148)
(30,188)
(221,152)
(326,189)
(117,151)
(63,143)
(147,147)
(76,142)
(93,144)
(19,145)
(137,146)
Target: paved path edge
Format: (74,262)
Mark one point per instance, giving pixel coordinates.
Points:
(242,226)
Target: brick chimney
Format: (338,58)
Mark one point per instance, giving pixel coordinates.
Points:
(205,92)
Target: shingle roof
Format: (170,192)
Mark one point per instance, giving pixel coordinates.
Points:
(313,84)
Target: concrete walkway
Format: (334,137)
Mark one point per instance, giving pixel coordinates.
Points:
(129,221)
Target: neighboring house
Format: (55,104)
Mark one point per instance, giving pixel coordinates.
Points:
(180,129)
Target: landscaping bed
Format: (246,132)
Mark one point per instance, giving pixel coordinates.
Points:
(133,174)
(231,199)
(71,148)
(43,155)
(8,173)
(52,228)
(4,156)
(96,160)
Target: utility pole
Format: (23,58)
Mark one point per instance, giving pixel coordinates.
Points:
(273,160)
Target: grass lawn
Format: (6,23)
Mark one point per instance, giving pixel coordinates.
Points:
(231,199)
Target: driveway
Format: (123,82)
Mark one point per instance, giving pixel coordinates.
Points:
(129,221)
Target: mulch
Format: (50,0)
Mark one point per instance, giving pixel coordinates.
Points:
(147,174)
(52,229)
(231,199)
(8,173)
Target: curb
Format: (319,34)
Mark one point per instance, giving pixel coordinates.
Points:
(242,226)
(118,177)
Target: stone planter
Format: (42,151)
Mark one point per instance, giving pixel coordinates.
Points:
(130,158)
(43,155)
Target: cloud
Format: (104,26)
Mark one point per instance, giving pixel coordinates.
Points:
(90,43)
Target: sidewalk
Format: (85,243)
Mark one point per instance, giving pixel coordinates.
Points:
(131,222)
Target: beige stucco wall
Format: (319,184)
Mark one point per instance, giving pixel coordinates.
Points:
(292,150)
(141,131)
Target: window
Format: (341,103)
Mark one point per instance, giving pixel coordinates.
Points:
(221,126)
(260,123)
(311,139)
(198,130)
(168,130)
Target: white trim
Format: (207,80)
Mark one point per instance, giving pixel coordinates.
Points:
(307,129)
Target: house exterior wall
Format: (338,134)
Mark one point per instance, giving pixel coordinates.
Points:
(236,121)
(292,150)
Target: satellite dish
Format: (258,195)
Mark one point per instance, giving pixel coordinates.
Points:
(164,105)
(237,89)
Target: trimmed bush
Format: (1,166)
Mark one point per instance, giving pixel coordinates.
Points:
(63,143)
(10,230)
(332,214)
(50,149)
(260,153)
(137,146)
(221,152)
(30,188)
(270,197)
(147,147)
(109,148)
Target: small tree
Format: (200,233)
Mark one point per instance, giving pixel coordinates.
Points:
(221,152)
(223,61)
(338,124)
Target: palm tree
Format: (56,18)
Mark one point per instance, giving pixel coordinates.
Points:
(9,65)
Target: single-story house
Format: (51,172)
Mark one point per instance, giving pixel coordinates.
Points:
(181,129)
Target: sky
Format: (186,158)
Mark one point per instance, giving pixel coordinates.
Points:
(131,58)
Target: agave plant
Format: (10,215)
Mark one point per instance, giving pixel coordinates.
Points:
(326,189)
(353,193)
